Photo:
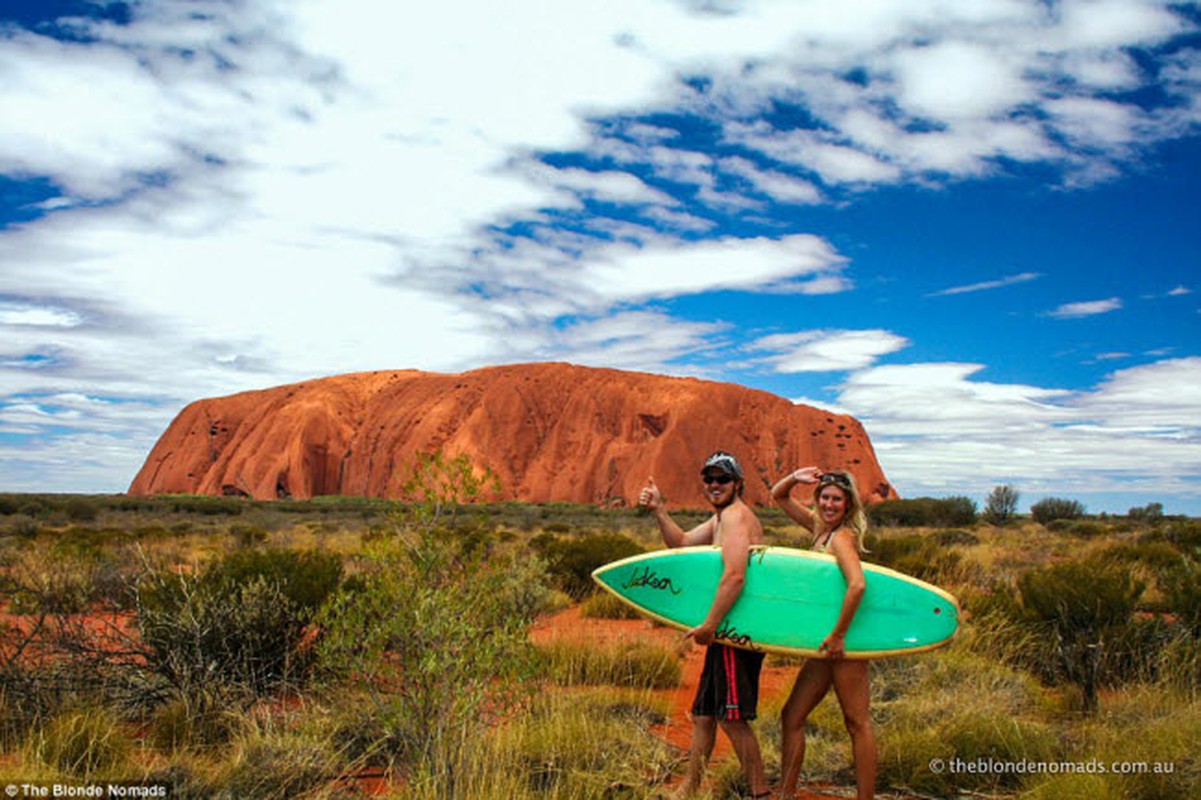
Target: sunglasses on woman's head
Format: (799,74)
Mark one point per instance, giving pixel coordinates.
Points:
(718,479)
(836,478)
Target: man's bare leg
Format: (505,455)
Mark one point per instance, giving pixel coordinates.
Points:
(746,747)
(704,735)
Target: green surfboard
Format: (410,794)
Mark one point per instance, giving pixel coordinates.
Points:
(790,602)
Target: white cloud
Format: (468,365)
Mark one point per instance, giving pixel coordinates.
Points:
(1008,280)
(37,315)
(777,185)
(625,272)
(828,351)
(648,341)
(937,429)
(1087,308)
(953,80)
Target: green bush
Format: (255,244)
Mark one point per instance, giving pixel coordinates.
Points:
(570,562)
(914,554)
(919,512)
(453,627)
(1182,588)
(1152,512)
(1053,508)
(1085,528)
(306,578)
(207,506)
(1080,604)
(80,509)
(202,635)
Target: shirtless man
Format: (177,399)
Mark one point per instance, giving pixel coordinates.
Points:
(729,687)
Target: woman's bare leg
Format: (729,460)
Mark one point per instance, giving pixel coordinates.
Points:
(812,683)
(852,687)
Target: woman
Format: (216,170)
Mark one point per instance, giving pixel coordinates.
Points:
(839,525)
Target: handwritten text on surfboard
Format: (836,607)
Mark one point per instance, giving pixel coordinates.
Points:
(648,577)
(727,633)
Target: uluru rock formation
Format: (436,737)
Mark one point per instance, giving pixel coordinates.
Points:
(552,432)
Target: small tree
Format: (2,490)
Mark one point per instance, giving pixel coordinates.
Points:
(435,629)
(1152,512)
(1001,505)
(1050,509)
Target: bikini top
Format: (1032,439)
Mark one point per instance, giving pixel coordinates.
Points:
(822,547)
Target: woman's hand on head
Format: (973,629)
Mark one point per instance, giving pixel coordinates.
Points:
(807,475)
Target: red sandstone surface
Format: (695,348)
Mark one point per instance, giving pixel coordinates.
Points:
(551,431)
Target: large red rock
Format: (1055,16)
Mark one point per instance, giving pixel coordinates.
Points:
(552,432)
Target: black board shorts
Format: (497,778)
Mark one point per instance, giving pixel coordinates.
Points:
(729,687)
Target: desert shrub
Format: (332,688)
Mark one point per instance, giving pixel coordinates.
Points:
(83,743)
(930,512)
(247,536)
(1001,505)
(953,536)
(604,605)
(438,633)
(81,509)
(1152,512)
(1184,535)
(306,578)
(634,665)
(1080,604)
(1182,589)
(1085,528)
(920,556)
(201,635)
(570,562)
(23,526)
(207,506)
(69,576)
(193,722)
(1053,508)
(454,630)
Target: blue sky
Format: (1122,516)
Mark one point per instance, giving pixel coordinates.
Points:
(971,225)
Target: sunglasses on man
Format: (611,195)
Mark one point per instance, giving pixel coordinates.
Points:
(720,480)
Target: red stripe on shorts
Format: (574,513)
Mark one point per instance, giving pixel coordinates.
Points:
(732,710)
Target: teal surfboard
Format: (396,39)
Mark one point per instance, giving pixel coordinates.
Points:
(790,602)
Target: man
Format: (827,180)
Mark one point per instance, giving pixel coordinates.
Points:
(729,687)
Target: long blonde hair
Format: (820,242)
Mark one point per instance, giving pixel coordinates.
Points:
(855,518)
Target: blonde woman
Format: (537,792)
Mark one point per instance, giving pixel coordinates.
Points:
(839,526)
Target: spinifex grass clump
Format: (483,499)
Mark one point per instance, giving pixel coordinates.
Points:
(631,664)
(85,743)
(603,605)
(589,743)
